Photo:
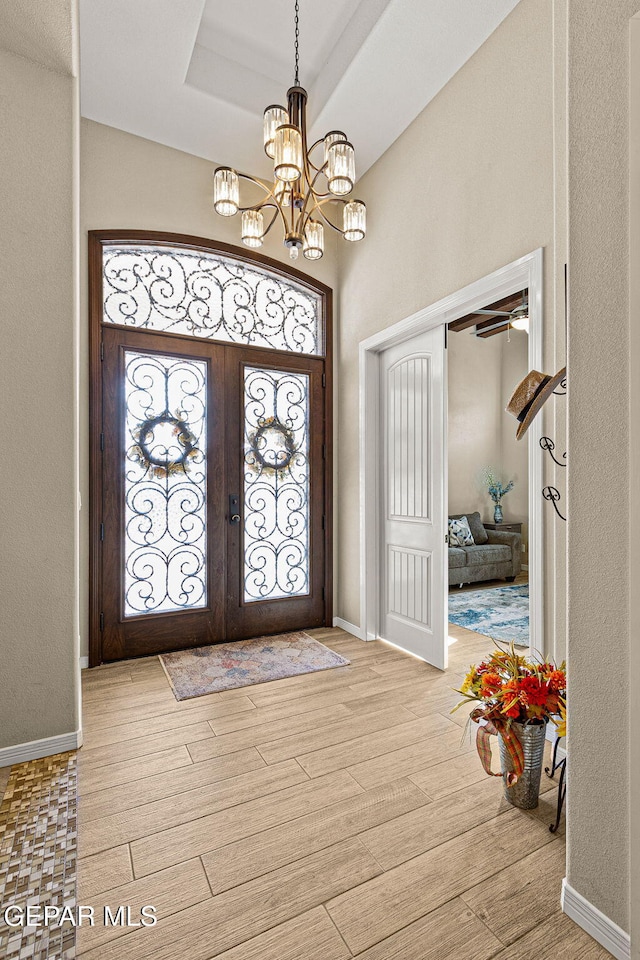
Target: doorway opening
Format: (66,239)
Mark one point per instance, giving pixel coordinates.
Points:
(375,595)
(488,474)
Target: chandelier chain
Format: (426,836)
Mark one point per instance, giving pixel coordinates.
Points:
(297,42)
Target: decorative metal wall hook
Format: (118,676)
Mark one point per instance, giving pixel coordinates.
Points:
(562,392)
(553,494)
(547,444)
(549,492)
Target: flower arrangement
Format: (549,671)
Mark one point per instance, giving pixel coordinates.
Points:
(513,690)
(495,487)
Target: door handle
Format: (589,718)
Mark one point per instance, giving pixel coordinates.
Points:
(234,506)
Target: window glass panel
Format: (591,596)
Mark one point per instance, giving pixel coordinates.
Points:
(165,483)
(207,295)
(276,484)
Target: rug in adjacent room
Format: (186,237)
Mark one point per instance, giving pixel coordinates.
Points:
(501,613)
(225,666)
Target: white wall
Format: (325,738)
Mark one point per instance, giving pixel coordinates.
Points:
(128,182)
(38,593)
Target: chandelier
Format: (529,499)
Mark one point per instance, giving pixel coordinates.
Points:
(303,191)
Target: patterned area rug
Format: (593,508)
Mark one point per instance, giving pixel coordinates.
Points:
(225,666)
(501,613)
(38,837)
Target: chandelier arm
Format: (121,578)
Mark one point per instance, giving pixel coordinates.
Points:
(258,183)
(277,209)
(317,198)
(318,207)
(310,151)
(270,201)
(312,184)
(273,220)
(263,186)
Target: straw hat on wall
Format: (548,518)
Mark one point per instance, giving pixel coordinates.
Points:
(530,395)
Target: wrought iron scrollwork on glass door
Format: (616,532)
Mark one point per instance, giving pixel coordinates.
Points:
(165,483)
(276,484)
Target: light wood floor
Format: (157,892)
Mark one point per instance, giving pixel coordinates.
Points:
(319,817)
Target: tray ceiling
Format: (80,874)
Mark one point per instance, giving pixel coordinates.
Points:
(197,74)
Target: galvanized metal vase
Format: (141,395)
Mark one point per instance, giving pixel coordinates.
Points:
(524,793)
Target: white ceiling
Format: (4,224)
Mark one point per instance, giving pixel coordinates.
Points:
(197,74)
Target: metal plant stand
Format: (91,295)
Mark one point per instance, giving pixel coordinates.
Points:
(560,765)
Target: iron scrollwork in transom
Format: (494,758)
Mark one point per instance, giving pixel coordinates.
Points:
(210,296)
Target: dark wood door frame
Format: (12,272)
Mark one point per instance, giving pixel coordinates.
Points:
(97,240)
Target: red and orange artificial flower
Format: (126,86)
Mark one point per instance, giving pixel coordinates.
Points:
(511,688)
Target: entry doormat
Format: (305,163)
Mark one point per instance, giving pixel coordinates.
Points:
(501,613)
(226,666)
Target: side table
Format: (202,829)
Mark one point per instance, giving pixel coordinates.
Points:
(509,527)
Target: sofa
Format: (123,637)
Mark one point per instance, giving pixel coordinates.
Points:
(495,555)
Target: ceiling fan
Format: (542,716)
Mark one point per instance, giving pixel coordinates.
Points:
(518,317)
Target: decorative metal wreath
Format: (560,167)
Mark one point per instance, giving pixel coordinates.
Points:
(165,466)
(269,454)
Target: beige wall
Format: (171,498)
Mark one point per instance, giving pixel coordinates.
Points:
(456,197)
(598,580)
(481,374)
(514,453)
(634,486)
(38,618)
(129,182)
(474,435)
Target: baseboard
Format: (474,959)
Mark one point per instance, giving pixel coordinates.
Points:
(35,749)
(84,663)
(525,566)
(349,627)
(607,933)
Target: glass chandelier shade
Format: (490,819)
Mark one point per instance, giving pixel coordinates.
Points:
(226,192)
(308,181)
(288,153)
(274,116)
(341,167)
(354,220)
(252,227)
(313,246)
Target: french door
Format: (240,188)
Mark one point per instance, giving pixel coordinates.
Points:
(210,492)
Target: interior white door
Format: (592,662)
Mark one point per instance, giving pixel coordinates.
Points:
(413,549)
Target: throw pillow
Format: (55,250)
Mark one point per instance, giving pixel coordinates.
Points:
(478,531)
(460,534)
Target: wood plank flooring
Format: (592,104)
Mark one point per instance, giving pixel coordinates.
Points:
(320,817)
